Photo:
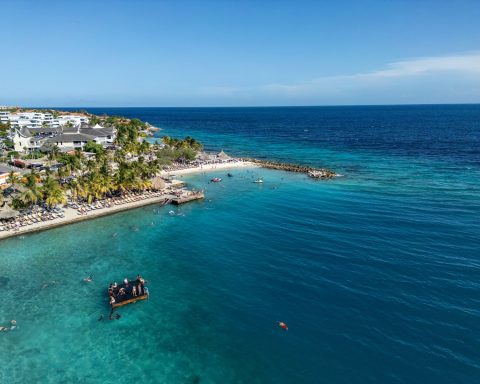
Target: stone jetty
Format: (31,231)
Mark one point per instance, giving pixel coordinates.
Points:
(190,196)
(316,173)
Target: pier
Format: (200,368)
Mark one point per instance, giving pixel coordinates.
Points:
(317,173)
(191,196)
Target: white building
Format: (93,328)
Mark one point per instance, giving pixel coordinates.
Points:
(30,139)
(40,119)
(24,140)
(4,117)
(70,140)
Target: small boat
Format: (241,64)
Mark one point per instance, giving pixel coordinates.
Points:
(119,299)
(259,180)
(216,180)
(229,175)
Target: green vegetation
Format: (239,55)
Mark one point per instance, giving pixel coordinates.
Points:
(4,128)
(93,147)
(178,150)
(130,166)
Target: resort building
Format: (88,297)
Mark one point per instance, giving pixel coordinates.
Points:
(4,117)
(41,119)
(68,141)
(27,139)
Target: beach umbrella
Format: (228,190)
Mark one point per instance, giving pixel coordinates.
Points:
(8,214)
(158,183)
(222,155)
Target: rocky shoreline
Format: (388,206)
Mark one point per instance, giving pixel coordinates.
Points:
(316,173)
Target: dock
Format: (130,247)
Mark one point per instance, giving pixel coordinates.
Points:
(127,297)
(185,198)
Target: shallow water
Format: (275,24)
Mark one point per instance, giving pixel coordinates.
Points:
(375,273)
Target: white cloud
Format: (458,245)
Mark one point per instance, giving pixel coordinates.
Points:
(466,63)
(452,78)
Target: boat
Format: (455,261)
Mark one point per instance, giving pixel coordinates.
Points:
(119,300)
(216,180)
(258,181)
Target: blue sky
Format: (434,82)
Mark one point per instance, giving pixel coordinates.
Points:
(238,53)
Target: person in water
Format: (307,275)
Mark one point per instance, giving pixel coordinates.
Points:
(88,279)
(100,318)
(282,325)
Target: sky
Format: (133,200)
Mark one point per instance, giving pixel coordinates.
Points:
(238,53)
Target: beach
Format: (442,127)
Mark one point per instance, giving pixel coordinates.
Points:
(71,215)
(210,167)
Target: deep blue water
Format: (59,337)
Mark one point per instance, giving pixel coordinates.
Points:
(376,273)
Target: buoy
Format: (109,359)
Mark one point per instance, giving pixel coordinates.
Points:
(283,325)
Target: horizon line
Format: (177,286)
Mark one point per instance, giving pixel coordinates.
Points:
(256,106)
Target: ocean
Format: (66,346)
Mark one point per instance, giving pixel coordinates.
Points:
(376,273)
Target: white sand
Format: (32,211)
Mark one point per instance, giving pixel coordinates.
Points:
(210,167)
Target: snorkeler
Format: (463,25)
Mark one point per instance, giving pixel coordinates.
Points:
(282,325)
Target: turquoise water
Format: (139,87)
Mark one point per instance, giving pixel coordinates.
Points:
(375,273)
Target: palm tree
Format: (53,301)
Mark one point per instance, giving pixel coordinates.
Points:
(104,185)
(54,153)
(31,196)
(16,202)
(55,196)
(13,178)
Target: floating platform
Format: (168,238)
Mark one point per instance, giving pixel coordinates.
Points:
(128,297)
(185,199)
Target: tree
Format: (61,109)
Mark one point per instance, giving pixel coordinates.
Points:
(13,179)
(32,193)
(51,149)
(4,128)
(52,192)
(92,146)
(16,203)
(54,153)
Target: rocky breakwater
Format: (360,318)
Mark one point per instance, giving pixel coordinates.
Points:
(315,173)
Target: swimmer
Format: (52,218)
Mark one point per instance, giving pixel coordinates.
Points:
(100,318)
(88,279)
(3,329)
(283,325)
(117,316)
